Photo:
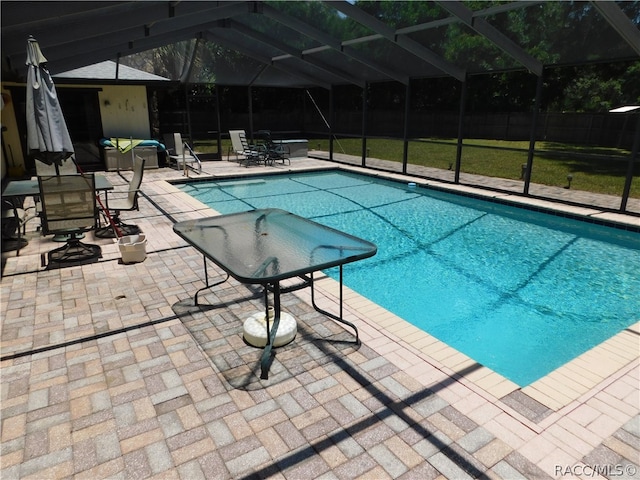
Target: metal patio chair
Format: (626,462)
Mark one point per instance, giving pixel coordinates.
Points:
(69,208)
(14,224)
(115,205)
(253,154)
(276,152)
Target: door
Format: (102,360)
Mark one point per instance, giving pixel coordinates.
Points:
(81,108)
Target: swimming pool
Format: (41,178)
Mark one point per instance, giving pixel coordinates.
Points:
(518,291)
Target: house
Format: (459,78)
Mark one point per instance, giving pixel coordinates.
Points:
(101,100)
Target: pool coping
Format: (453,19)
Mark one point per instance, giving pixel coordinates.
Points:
(564,388)
(596,215)
(561,390)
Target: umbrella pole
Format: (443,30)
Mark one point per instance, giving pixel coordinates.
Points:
(36,62)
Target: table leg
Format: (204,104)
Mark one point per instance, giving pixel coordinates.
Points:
(331,315)
(206,281)
(265,361)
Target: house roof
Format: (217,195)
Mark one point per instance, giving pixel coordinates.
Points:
(325,42)
(110,70)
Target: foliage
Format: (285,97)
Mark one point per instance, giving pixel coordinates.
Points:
(401,14)
(592,88)
(551,32)
(318,14)
(167,61)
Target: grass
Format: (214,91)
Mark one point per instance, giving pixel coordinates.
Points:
(593,169)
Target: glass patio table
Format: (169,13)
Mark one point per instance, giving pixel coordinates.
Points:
(16,190)
(30,188)
(270,245)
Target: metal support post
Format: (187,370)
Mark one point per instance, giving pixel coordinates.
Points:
(463,107)
(632,161)
(532,135)
(407,107)
(364,124)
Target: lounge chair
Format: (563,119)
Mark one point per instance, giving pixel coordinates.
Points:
(253,154)
(276,152)
(183,155)
(69,208)
(244,151)
(236,144)
(116,227)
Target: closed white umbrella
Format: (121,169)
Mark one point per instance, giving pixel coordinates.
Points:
(48,138)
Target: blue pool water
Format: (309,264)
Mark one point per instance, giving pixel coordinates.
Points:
(518,291)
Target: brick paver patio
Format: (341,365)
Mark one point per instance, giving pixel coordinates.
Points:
(108,372)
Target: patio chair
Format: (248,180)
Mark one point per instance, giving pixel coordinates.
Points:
(183,155)
(14,222)
(68,167)
(69,207)
(253,154)
(244,150)
(236,144)
(275,151)
(116,205)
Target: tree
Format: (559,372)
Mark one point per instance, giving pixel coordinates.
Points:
(592,88)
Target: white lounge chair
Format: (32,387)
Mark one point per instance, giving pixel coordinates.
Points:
(246,152)
(236,144)
(183,155)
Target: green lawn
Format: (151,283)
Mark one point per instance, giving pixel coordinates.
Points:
(594,169)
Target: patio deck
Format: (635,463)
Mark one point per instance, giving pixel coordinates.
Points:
(107,374)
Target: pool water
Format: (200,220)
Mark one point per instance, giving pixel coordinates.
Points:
(518,291)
